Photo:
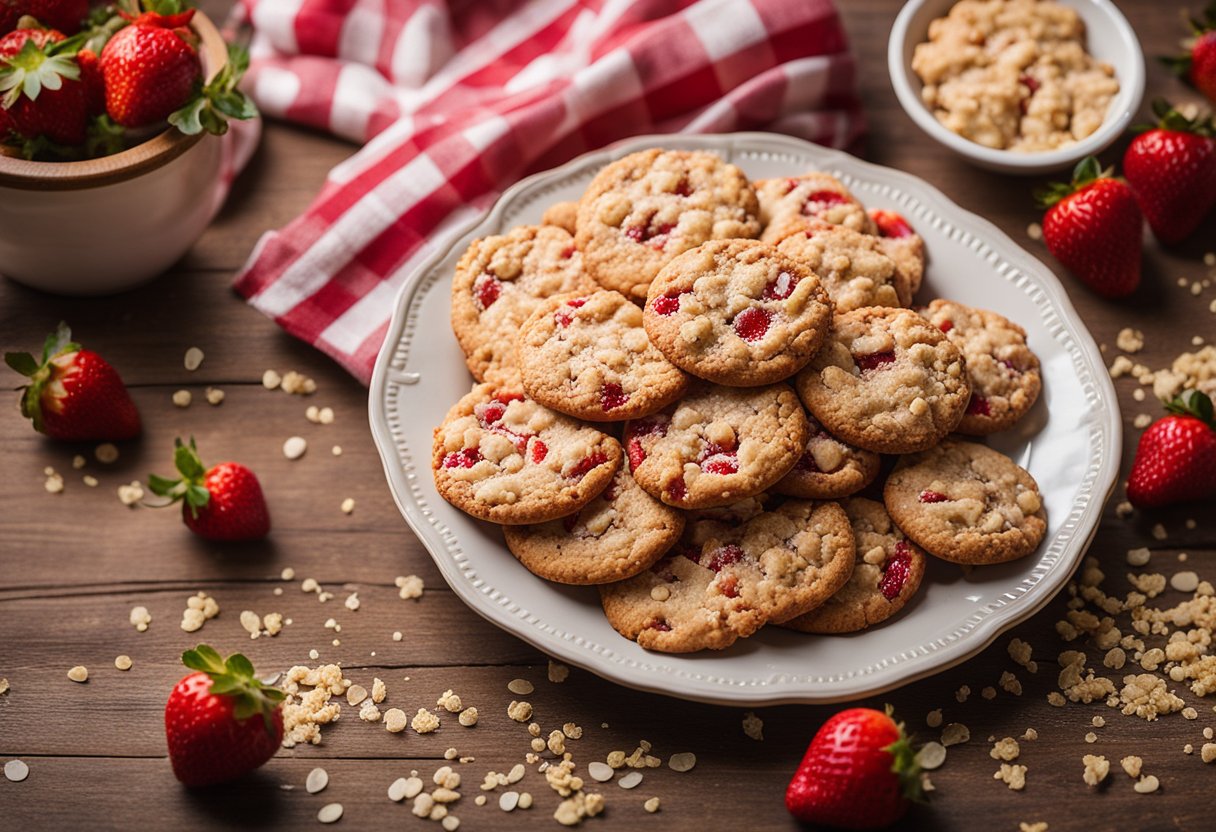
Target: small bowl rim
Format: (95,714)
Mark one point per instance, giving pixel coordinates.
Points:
(146,156)
(1131,74)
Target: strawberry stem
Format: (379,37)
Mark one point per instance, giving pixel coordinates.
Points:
(189,486)
(211,107)
(1087,171)
(904,765)
(1193,403)
(236,678)
(38,370)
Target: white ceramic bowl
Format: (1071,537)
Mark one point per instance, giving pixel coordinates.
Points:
(1109,38)
(105,225)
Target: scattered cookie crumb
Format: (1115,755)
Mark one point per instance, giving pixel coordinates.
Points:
(1013,775)
(182,398)
(16,771)
(1096,769)
(131,494)
(934,718)
(558,672)
(123,662)
(1147,784)
(651,805)
(955,733)
(409,586)
(294,447)
(193,359)
(200,608)
(424,722)
(79,673)
(140,618)
(348,505)
(931,756)
(106,453)
(753,726)
(214,396)
(1130,340)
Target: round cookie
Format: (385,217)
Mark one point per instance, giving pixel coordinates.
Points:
(737,312)
(717,446)
(853,267)
(561,214)
(588,356)
(783,563)
(620,533)
(670,608)
(1001,369)
(887,381)
(902,244)
(828,469)
(966,503)
(500,281)
(641,211)
(504,458)
(812,194)
(888,572)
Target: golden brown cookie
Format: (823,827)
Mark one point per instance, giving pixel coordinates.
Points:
(887,573)
(828,469)
(902,244)
(813,194)
(966,503)
(645,209)
(588,356)
(737,312)
(887,381)
(620,533)
(502,457)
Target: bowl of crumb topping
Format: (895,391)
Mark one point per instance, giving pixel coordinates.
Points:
(1018,86)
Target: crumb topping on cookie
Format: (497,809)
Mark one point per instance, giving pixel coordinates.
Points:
(813,194)
(852,266)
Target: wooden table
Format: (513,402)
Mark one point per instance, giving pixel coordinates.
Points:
(74,564)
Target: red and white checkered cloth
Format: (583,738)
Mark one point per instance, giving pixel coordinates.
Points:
(458,100)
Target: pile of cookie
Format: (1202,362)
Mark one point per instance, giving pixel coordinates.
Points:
(635,426)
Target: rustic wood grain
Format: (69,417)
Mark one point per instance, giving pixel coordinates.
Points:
(72,566)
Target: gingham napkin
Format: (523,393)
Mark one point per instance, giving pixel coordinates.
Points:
(458,100)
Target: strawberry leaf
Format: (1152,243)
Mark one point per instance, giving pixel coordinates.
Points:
(237,680)
(185,459)
(22,362)
(238,665)
(188,118)
(204,657)
(189,486)
(1193,403)
(219,100)
(162,487)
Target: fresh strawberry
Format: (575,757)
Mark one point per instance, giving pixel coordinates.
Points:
(1172,170)
(151,68)
(94,85)
(64,15)
(859,772)
(1176,458)
(1198,63)
(73,393)
(223,502)
(221,721)
(1093,226)
(43,96)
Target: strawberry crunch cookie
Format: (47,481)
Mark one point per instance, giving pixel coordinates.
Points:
(813,194)
(901,243)
(1001,369)
(966,503)
(645,209)
(828,469)
(620,533)
(504,458)
(887,381)
(670,608)
(888,572)
(588,356)
(500,281)
(737,312)
(855,270)
(561,214)
(784,562)
(717,446)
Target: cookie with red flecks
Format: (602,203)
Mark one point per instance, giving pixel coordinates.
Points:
(887,381)
(502,457)
(813,194)
(562,214)
(966,503)
(717,446)
(500,281)
(829,469)
(888,571)
(853,267)
(1002,371)
(901,243)
(783,562)
(737,312)
(642,211)
(620,533)
(670,608)
(588,356)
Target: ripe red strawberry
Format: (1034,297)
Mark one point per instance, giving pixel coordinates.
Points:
(1198,63)
(64,15)
(43,96)
(223,502)
(221,722)
(859,772)
(94,85)
(1093,226)
(151,68)
(1172,170)
(73,393)
(1176,458)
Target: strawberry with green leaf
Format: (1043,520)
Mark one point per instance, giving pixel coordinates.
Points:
(1176,457)
(1171,167)
(221,721)
(43,97)
(1198,63)
(1094,227)
(223,502)
(73,393)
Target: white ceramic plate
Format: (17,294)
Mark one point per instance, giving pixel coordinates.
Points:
(1070,442)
